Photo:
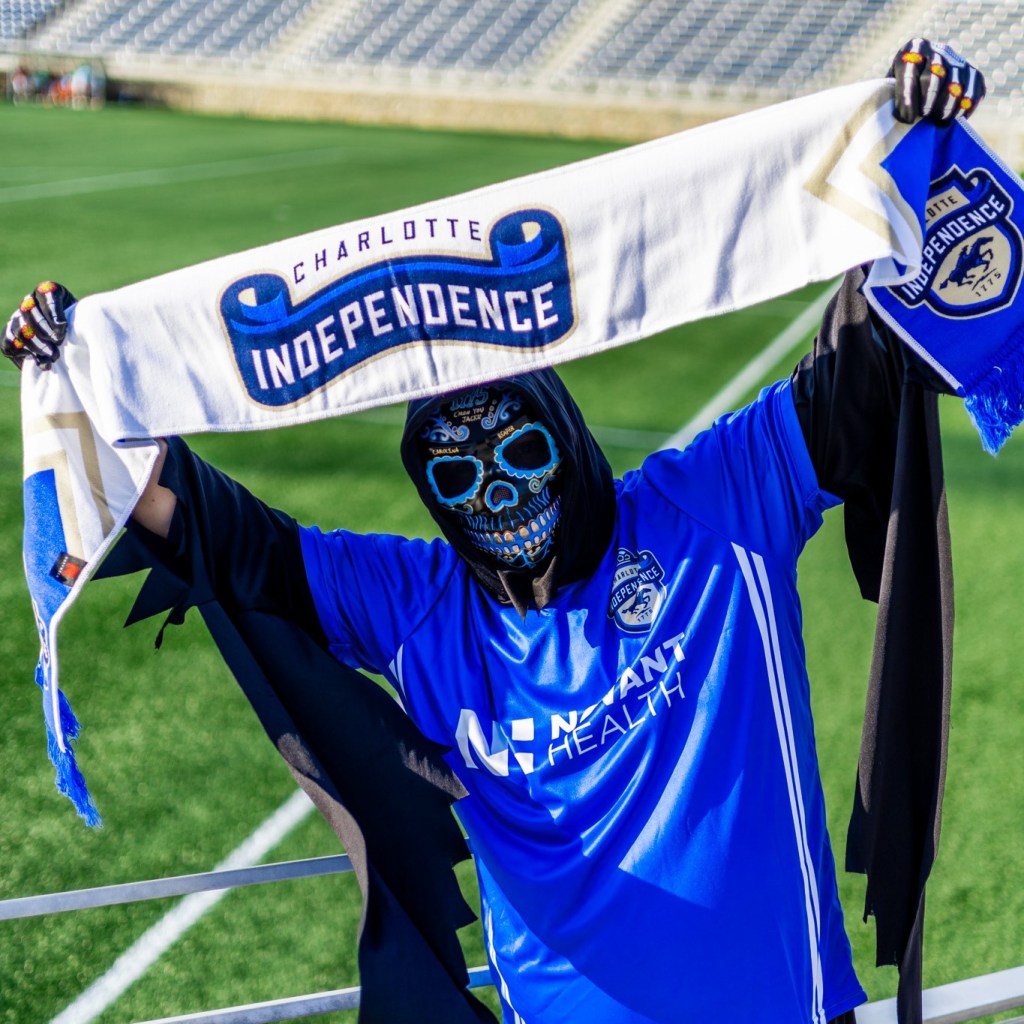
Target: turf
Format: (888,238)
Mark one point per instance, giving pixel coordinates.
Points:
(178,764)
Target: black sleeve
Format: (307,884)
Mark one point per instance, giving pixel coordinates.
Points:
(868,408)
(383,787)
(848,394)
(246,554)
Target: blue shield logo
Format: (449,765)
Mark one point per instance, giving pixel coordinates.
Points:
(971,260)
(637,591)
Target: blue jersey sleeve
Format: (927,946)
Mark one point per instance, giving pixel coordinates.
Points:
(749,477)
(372,590)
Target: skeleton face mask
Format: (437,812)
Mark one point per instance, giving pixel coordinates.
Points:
(493,465)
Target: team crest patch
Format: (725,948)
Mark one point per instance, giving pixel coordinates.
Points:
(971,259)
(637,590)
(517,294)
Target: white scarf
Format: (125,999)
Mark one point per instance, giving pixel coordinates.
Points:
(516,276)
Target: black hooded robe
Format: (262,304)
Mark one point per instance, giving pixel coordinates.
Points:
(380,784)
(870,421)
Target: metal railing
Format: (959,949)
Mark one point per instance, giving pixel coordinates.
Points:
(956,1003)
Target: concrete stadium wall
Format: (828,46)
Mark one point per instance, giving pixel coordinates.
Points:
(476,106)
(459,106)
(431,100)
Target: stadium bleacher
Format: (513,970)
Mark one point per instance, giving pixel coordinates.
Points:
(749,45)
(743,50)
(994,31)
(475,34)
(19,17)
(195,28)
(752,47)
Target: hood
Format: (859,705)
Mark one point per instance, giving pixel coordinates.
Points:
(587,494)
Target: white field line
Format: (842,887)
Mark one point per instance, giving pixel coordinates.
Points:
(145,951)
(149,947)
(754,372)
(171,175)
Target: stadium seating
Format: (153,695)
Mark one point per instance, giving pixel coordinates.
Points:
(484,35)
(749,49)
(197,28)
(750,45)
(18,17)
(732,45)
(992,31)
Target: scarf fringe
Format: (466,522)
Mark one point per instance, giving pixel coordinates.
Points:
(69,779)
(996,402)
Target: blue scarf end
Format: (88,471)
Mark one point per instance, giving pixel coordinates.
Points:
(69,779)
(995,403)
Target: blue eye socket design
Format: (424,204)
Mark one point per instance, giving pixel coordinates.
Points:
(530,452)
(455,479)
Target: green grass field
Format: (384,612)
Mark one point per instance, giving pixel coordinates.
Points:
(178,764)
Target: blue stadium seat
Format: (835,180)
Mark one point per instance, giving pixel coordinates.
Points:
(181,27)
(747,48)
(19,18)
(747,45)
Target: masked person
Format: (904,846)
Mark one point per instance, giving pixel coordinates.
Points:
(614,668)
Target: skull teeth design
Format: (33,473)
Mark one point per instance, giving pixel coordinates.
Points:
(524,544)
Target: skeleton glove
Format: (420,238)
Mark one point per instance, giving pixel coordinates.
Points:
(38,326)
(934,82)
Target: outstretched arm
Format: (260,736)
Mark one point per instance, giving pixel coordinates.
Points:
(155,508)
(849,389)
(221,540)
(250,554)
(36,330)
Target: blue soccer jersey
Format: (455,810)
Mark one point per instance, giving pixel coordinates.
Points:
(645,808)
